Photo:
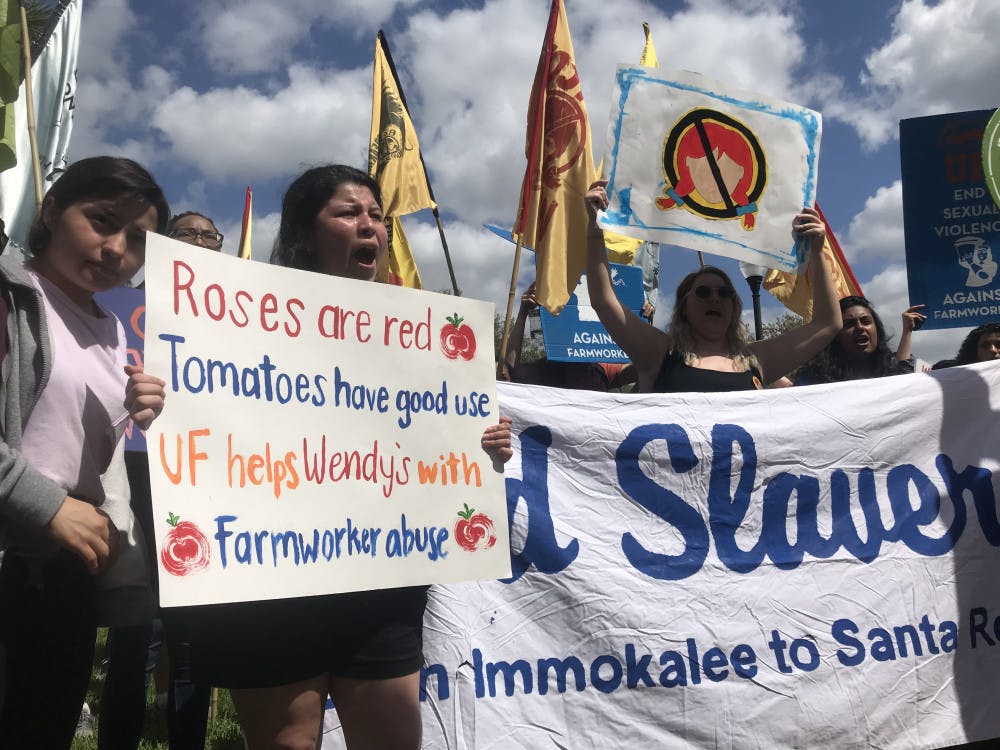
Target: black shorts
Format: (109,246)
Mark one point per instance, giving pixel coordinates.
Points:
(364,635)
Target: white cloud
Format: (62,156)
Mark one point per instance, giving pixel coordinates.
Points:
(877,232)
(103,27)
(253,36)
(482,260)
(265,229)
(466,73)
(247,134)
(109,103)
(467,77)
(939,58)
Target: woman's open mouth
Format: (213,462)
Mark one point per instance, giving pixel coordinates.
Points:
(366,255)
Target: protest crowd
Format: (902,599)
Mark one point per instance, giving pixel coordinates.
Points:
(76,508)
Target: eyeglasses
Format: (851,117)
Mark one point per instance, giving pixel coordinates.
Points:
(208,236)
(703,291)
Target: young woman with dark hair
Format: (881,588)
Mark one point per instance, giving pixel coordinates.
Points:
(981,345)
(73,556)
(282,658)
(860,350)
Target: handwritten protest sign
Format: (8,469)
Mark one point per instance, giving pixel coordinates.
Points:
(807,567)
(951,223)
(319,434)
(696,163)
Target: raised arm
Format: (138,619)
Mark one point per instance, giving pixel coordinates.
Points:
(782,354)
(644,344)
(516,339)
(912,320)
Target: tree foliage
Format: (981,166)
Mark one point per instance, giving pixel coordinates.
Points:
(782,324)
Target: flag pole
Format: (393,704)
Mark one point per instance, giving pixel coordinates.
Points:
(430,191)
(444,242)
(510,306)
(29,103)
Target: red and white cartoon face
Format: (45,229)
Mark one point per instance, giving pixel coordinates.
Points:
(714,167)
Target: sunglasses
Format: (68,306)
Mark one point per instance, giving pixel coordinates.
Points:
(703,291)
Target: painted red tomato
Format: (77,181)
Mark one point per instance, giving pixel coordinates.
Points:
(185,550)
(457,339)
(474,531)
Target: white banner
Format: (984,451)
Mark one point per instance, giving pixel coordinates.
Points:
(53,79)
(319,434)
(697,163)
(803,567)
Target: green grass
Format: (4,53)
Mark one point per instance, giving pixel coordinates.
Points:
(223,731)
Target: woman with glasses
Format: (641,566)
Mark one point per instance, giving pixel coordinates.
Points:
(706,346)
(195,229)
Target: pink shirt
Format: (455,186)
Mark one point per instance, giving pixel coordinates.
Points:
(72,433)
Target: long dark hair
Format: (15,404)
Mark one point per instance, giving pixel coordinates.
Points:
(832,365)
(303,201)
(968,352)
(95,178)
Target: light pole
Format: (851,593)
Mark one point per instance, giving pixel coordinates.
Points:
(755,277)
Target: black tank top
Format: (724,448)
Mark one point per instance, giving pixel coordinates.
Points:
(677,377)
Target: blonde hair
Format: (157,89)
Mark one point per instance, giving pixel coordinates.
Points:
(737,336)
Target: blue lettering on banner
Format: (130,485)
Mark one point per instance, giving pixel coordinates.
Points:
(911,496)
(852,644)
(540,546)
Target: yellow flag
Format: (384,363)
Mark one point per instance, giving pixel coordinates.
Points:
(648,51)
(397,266)
(552,217)
(244,249)
(10,78)
(795,291)
(394,153)
(622,249)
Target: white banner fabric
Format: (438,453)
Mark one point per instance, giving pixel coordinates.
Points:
(319,434)
(803,567)
(53,82)
(697,163)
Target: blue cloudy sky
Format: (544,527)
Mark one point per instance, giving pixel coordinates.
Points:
(214,94)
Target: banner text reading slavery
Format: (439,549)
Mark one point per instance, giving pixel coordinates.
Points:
(728,507)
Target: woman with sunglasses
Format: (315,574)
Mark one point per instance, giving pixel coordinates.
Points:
(706,346)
